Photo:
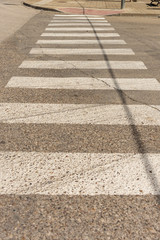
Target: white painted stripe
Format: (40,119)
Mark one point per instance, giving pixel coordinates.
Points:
(78,20)
(79,173)
(78,29)
(43,2)
(80,41)
(78,15)
(83,64)
(82,51)
(80,34)
(79,114)
(81,17)
(79,24)
(150,84)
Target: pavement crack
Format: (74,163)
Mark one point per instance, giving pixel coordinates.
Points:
(108,85)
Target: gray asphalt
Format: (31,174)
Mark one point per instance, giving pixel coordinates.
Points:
(80,217)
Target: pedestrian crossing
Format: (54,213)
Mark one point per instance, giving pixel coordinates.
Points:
(81,149)
(83,65)
(150,84)
(82,51)
(78,114)
(68,175)
(80,41)
(97,28)
(79,24)
(81,34)
(78,21)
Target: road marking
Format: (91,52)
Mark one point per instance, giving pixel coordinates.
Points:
(80,34)
(78,20)
(78,24)
(82,51)
(43,2)
(79,114)
(74,18)
(78,15)
(78,29)
(83,64)
(149,84)
(79,173)
(81,41)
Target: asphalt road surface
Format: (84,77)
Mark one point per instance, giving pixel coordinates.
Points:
(80,129)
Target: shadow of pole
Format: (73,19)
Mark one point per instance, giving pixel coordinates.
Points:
(135,133)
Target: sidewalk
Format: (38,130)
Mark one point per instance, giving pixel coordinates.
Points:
(95,7)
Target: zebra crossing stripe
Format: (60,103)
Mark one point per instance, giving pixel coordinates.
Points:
(79,173)
(81,41)
(78,21)
(78,24)
(79,114)
(83,64)
(73,15)
(149,84)
(82,51)
(77,29)
(74,18)
(77,15)
(81,34)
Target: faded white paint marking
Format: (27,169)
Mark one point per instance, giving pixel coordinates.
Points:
(149,84)
(79,20)
(43,2)
(82,51)
(73,15)
(78,17)
(79,114)
(80,34)
(83,64)
(81,41)
(79,25)
(80,29)
(79,173)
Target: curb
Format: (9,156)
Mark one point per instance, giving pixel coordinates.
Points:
(116,14)
(56,10)
(40,8)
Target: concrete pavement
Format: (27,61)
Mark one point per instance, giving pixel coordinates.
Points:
(13,16)
(96,7)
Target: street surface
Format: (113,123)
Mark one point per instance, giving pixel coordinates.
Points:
(79,129)
(13,15)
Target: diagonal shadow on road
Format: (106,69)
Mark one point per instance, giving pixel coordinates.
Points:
(135,133)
